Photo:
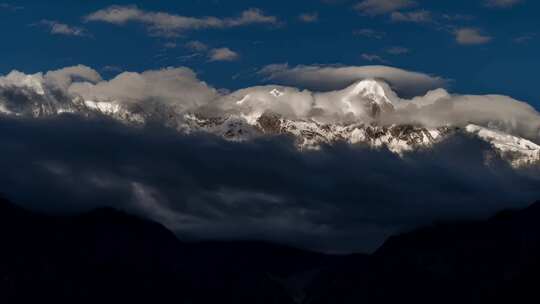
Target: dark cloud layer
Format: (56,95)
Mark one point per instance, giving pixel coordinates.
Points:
(341,198)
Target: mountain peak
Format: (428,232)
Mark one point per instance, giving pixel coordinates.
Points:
(354,115)
(368,98)
(371,88)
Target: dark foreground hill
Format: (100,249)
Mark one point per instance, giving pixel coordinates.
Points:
(108,256)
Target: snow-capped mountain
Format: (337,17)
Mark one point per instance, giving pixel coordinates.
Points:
(243,116)
(519,151)
(310,134)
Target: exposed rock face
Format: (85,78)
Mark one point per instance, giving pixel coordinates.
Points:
(310,134)
(270,123)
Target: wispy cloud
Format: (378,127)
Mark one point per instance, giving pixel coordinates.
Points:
(420,16)
(10,7)
(58,28)
(166,24)
(501,3)
(471,36)
(201,49)
(325,78)
(373,58)
(223,54)
(381,7)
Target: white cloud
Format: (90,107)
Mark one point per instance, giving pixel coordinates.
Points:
(309,17)
(380,7)
(63,78)
(178,87)
(165,24)
(436,108)
(501,3)
(471,36)
(325,78)
(222,54)
(439,108)
(420,16)
(58,79)
(214,54)
(251,16)
(58,28)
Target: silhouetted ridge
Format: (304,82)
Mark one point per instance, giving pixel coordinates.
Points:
(462,262)
(8,209)
(110,256)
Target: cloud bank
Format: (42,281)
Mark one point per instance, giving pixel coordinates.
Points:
(178,87)
(340,198)
(179,90)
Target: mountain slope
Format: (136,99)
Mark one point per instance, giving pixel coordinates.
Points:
(496,261)
(107,255)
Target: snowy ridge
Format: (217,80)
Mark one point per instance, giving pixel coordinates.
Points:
(248,115)
(521,152)
(103,107)
(311,134)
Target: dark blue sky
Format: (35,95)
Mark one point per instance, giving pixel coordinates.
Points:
(497,53)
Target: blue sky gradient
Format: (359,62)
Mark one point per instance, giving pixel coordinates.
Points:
(506,63)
